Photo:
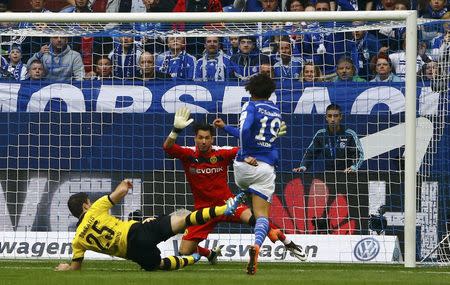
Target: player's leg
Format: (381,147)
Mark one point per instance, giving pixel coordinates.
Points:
(188,247)
(180,222)
(275,234)
(260,182)
(194,235)
(178,262)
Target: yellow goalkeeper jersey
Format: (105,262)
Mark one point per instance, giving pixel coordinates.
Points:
(98,231)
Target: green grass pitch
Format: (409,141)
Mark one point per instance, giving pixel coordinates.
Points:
(124,272)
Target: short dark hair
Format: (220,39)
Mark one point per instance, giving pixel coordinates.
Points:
(36,61)
(261,86)
(203,127)
(334,107)
(75,203)
(253,39)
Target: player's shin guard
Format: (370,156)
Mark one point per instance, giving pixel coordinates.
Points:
(202,216)
(176,262)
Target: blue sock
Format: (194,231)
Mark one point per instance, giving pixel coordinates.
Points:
(261,229)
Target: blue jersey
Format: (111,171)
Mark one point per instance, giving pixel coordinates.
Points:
(260,122)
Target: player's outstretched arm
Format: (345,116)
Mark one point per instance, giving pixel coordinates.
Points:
(180,122)
(219,123)
(74,265)
(121,190)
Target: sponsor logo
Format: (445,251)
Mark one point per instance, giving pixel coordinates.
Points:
(366,249)
(211,170)
(240,251)
(34,249)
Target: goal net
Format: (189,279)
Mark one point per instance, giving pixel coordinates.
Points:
(86,103)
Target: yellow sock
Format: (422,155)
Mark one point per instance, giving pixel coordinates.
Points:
(202,216)
(176,262)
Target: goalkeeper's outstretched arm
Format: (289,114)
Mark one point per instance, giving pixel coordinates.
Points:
(180,122)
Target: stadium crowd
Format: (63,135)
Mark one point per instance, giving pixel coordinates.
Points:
(377,54)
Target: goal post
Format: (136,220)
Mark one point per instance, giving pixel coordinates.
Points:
(410,111)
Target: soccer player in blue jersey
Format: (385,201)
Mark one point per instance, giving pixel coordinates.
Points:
(254,166)
(338,146)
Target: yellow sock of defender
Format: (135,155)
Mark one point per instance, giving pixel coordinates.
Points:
(202,216)
(176,262)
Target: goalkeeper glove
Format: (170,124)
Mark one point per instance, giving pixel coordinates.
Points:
(283,129)
(180,121)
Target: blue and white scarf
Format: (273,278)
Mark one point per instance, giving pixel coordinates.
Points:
(11,71)
(124,68)
(219,67)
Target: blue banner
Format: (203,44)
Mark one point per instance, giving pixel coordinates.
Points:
(109,126)
(206,97)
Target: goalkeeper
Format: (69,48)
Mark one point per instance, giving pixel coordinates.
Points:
(98,231)
(340,147)
(206,170)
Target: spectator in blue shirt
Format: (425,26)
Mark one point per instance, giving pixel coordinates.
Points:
(124,57)
(214,64)
(367,46)
(14,69)
(286,66)
(176,62)
(246,62)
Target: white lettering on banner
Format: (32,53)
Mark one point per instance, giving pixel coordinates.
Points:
(170,101)
(428,102)
(45,204)
(69,94)
(26,215)
(8,97)
(389,96)
(313,96)
(319,248)
(141,98)
(60,217)
(427,218)
(233,99)
(231,103)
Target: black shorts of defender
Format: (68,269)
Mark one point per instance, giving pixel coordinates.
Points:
(143,240)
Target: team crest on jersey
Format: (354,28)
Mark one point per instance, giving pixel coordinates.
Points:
(213,159)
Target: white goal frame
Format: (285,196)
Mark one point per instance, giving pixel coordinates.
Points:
(411,54)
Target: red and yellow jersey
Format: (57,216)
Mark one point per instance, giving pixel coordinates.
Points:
(207,173)
(98,231)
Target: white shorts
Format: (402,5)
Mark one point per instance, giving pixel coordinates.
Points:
(259,180)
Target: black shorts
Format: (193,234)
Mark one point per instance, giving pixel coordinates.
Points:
(143,240)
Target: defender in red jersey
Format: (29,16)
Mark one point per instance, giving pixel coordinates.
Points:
(206,170)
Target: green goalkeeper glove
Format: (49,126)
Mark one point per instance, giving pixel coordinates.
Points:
(180,121)
(283,129)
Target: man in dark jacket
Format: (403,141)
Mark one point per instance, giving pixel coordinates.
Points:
(339,147)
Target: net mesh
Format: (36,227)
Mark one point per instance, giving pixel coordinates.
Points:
(102,115)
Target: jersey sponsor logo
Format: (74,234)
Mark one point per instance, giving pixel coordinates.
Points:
(367,249)
(209,170)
